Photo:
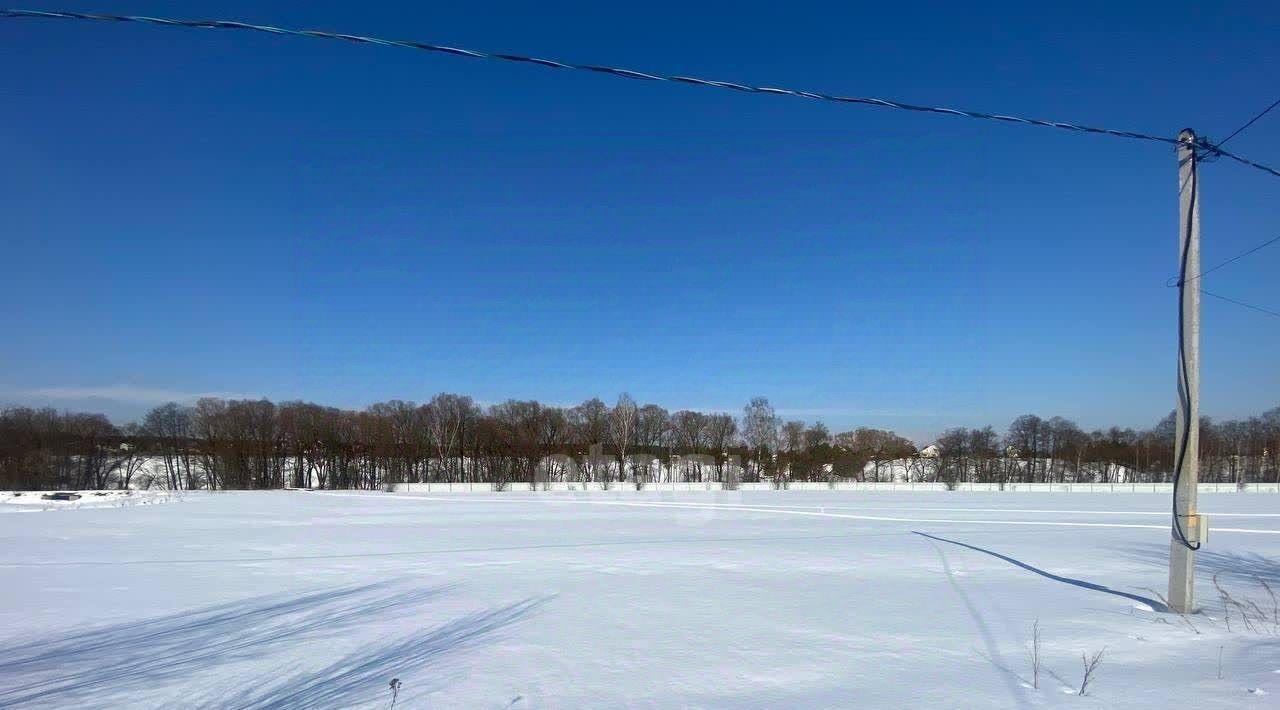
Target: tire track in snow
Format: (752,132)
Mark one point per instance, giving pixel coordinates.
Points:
(858,533)
(819,513)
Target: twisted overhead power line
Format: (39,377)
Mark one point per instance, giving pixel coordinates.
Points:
(1211,149)
(613,71)
(1204,146)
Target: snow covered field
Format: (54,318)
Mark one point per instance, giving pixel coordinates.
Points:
(728,599)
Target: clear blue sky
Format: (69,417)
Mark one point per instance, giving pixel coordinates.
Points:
(194,211)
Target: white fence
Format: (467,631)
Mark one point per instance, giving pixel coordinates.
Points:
(688,486)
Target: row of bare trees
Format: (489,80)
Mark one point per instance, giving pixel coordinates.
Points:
(1056,450)
(256,444)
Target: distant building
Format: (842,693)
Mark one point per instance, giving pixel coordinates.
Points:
(930,452)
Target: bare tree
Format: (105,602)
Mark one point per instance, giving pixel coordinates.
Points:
(591,419)
(880,447)
(1090,667)
(258,444)
(1035,654)
(130,456)
(760,430)
(448,418)
(1026,438)
(170,426)
(622,425)
(791,444)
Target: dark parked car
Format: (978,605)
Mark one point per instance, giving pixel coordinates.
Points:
(61,495)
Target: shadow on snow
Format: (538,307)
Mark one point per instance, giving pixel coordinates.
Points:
(1246,566)
(361,677)
(1153,603)
(75,668)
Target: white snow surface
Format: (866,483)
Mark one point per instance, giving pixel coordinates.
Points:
(760,599)
(27,501)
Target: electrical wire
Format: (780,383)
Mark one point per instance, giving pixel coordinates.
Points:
(1203,148)
(1214,150)
(1252,121)
(612,71)
(1173,280)
(1184,386)
(1250,306)
(1207,148)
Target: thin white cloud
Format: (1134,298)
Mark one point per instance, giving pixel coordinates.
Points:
(837,412)
(131,394)
(859,412)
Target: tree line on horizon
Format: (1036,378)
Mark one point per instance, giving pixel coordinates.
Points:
(257,444)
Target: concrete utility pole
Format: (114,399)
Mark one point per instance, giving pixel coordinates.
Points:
(1182,558)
